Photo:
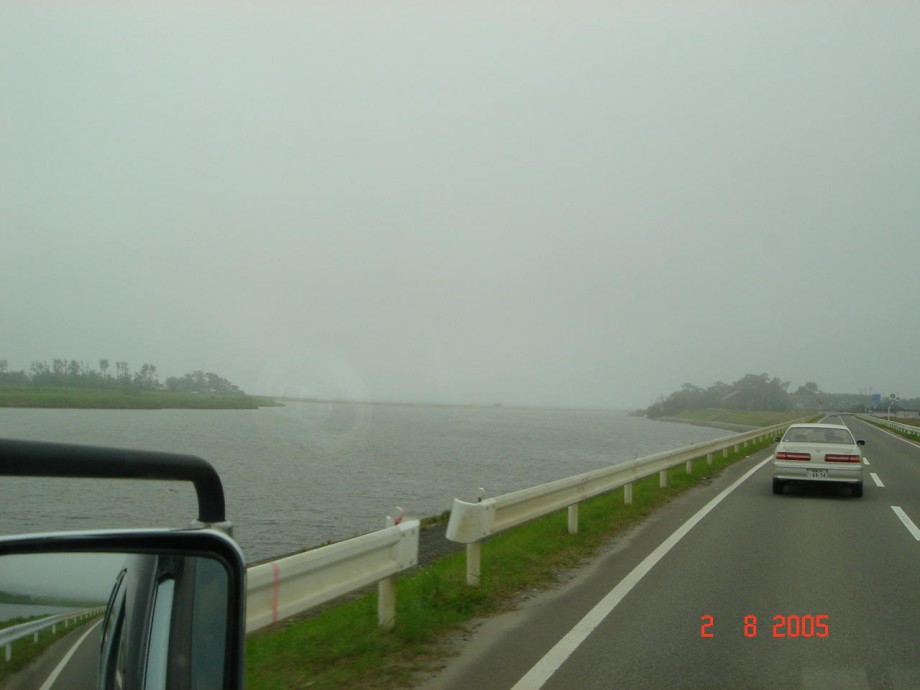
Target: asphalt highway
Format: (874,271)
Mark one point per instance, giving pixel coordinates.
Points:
(811,589)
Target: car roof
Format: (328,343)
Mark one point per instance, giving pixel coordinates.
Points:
(819,426)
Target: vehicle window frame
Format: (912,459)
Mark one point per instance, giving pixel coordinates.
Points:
(159,635)
(112,644)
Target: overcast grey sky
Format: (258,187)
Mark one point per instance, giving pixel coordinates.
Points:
(576,204)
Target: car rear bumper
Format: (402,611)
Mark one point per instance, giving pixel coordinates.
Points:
(799,471)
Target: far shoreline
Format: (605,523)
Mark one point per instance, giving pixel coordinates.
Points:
(127,399)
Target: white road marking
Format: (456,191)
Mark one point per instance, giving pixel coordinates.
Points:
(893,435)
(60,667)
(865,461)
(878,482)
(908,523)
(555,657)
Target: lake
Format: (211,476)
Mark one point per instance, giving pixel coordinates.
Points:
(308,473)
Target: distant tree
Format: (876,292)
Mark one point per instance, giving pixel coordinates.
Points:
(751,392)
(11,378)
(810,388)
(147,376)
(104,368)
(760,392)
(200,381)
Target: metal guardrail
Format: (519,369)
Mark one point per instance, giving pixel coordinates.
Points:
(17,632)
(909,429)
(295,584)
(470,523)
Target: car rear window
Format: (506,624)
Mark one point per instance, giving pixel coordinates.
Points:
(817,435)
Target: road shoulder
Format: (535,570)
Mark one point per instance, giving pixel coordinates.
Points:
(508,644)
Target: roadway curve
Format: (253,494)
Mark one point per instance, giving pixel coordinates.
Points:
(69,664)
(811,552)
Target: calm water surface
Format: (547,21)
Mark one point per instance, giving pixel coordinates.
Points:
(10,611)
(308,473)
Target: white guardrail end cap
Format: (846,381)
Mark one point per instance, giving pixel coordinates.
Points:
(406,550)
(471,522)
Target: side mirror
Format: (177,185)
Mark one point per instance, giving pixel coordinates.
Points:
(151,608)
(860,442)
(776,439)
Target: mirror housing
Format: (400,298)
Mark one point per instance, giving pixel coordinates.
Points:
(175,616)
(175,611)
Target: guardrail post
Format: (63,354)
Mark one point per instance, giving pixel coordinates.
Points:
(663,479)
(9,651)
(689,466)
(386,604)
(627,494)
(725,452)
(573,518)
(473,552)
(708,458)
(386,597)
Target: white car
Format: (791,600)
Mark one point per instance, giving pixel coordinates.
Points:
(818,453)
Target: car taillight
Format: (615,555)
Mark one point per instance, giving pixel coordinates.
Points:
(841,458)
(782,455)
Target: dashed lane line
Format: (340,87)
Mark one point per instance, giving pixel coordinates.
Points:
(908,523)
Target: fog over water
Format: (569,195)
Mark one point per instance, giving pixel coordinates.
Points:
(305,474)
(559,204)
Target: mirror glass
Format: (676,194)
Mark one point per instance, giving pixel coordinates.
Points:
(113,620)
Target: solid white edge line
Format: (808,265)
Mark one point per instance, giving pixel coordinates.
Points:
(555,657)
(60,667)
(878,482)
(892,434)
(908,523)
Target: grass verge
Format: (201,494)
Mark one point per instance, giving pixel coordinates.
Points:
(341,647)
(883,424)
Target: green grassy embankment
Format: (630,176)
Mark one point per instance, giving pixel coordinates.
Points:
(882,424)
(126,398)
(341,646)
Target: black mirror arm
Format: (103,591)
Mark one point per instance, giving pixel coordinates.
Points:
(40,459)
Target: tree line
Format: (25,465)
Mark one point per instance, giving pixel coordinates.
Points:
(764,392)
(751,392)
(65,373)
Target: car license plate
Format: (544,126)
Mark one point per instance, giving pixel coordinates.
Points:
(817,474)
